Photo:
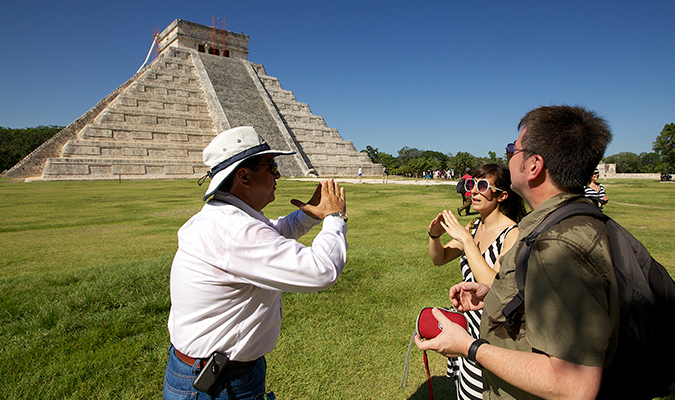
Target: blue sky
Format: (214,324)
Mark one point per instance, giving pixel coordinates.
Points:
(442,75)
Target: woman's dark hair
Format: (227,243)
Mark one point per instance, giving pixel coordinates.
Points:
(513,206)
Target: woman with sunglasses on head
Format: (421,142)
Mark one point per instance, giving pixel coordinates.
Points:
(479,245)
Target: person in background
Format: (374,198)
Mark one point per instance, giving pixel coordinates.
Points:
(233,263)
(466,196)
(568,328)
(360,173)
(479,245)
(596,191)
(385,174)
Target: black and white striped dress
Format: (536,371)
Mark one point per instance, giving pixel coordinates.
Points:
(596,195)
(468,377)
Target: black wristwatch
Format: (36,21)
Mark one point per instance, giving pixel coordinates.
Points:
(473,349)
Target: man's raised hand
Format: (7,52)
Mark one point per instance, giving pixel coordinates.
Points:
(327,199)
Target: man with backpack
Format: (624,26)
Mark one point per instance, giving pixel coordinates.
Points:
(566,329)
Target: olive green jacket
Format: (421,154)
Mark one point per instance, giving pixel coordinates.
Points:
(571,304)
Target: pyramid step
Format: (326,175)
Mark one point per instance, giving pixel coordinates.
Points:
(104,149)
(259,69)
(340,158)
(271,83)
(170,78)
(281,95)
(135,98)
(331,163)
(87,168)
(306,122)
(152,105)
(156,116)
(176,65)
(168,82)
(126,135)
(328,148)
(348,170)
(325,147)
(138,117)
(294,108)
(314,132)
(124,131)
(320,136)
(165,90)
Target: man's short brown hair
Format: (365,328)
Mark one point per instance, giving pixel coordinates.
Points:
(570,139)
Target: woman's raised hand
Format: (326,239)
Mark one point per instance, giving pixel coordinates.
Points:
(453,227)
(435,227)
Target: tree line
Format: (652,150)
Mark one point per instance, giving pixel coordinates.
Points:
(15,144)
(661,160)
(415,162)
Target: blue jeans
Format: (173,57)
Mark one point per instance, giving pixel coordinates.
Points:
(248,383)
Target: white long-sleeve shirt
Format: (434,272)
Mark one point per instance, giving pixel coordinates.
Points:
(229,271)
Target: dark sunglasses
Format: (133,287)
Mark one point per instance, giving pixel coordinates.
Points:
(482,184)
(273,167)
(511,150)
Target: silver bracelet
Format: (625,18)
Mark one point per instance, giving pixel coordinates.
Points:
(340,214)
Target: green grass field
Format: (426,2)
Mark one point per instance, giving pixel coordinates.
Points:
(84,287)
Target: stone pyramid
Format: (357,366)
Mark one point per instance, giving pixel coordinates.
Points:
(156,124)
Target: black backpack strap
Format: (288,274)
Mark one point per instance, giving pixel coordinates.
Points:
(514,309)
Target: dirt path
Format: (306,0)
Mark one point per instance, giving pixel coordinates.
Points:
(640,205)
(378,181)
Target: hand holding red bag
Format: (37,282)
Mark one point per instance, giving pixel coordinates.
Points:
(428,327)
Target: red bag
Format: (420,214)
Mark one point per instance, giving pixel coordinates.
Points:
(428,327)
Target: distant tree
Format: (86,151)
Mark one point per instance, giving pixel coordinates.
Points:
(419,165)
(408,153)
(492,157)
(626,162)
(379,157)
(463,160)
(15,144)
(372,153)
(404,170)
(439,161)
(664,145)
(650,162)
(387,160)
(434,154)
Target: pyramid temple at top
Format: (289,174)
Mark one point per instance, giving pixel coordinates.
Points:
(156,124)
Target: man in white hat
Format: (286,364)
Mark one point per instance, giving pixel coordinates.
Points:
(233,263)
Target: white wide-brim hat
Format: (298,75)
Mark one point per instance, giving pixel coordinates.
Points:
(229,149)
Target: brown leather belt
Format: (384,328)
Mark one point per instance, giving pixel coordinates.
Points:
(231,365)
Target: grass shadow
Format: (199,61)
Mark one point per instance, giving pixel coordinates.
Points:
(444,388)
